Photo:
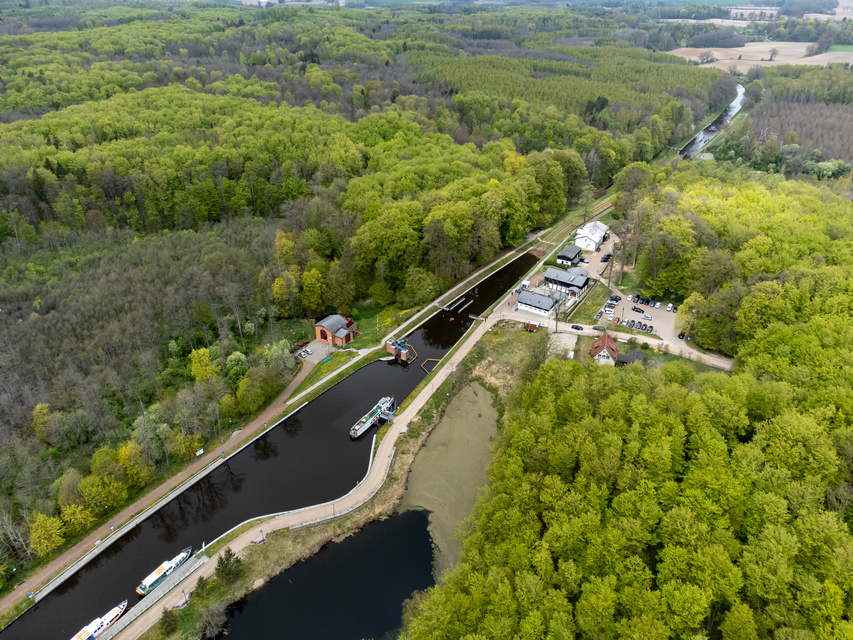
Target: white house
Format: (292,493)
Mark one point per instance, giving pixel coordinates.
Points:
(536,303)
(604,351)
(590,236)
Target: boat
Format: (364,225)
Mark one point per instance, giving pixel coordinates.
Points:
(162,572)
(384,406)
(97,627)
(713,128)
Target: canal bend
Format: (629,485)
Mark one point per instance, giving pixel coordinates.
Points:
(307,458)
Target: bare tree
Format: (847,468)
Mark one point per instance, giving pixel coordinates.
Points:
(773,53)
(706,56)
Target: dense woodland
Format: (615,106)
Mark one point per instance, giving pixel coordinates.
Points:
(181,185)
(664,504)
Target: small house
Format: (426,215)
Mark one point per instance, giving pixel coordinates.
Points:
(632,356)
(335,330)
(590,236)
(536,303)
(604,350)
(569,256)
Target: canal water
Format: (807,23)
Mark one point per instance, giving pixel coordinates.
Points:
(706,135)
(308,458)
(349,590)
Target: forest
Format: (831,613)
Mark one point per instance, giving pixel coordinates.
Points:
(182,189)
(626,503)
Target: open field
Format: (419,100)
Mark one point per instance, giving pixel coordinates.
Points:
(842,11)
(758,53)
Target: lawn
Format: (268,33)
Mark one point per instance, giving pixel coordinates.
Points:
(841,47)
(595,299)
(324,368)
(376,322)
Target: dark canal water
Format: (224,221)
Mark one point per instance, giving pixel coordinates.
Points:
(306,459)
(350,590)
(706,135)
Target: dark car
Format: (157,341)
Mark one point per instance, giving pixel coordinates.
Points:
(631,324)
(644,327)
(681,336)
(615,297)
(582,259)
(577,327)
(651,329)
(675,309)
(637,309)
(599,314)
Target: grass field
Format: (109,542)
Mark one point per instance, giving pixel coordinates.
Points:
(584,314)
(841,47)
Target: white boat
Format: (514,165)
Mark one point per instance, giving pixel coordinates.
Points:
(97,627)
(162,572)
(384,406)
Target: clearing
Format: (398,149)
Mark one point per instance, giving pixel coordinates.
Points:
(758,53)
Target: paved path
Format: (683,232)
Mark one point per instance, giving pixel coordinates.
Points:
(55,567)
(354,499)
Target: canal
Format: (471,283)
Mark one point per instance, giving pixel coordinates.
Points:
(349,590)
(308,458)
(701,140)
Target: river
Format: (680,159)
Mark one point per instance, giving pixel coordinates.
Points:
(308,458)
(701,139)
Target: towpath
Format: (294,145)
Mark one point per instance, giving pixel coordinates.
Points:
(64,561)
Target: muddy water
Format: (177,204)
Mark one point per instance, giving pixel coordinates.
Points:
(450,471)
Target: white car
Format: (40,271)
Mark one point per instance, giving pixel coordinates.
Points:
(657,305)
(669,307)
(647,317)
(630,298)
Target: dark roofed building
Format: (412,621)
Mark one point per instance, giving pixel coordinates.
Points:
(632,356)
(335,329)
(569,256)
(536,303)
(572,281)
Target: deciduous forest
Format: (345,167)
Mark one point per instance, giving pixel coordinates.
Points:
(185,187)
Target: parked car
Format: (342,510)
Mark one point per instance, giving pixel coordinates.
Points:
(643,327)
(303,354)
(577,327)
(675,309)
(599,314)
(616,296)
(657,304)
(630,298)
(616,320)
(582,259)
(637,309)
(669,307)
(631,324)
(652,302)
(646,316)
(681,336)
(651,329)
(625,322)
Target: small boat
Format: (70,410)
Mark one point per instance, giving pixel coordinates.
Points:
(713,128)
(385,405)
(97,627)
(162,572)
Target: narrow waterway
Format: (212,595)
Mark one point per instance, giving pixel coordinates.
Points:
(715,128)
(349,590)
(306,459)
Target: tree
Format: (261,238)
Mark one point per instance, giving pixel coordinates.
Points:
(586,201)
(773,53)
(229,567)
(739,624)
(212,621)
(313,290)
(137,472)
(77,518)
(41,421)
(202,366)
(169,622)
(46,534)
(706,56)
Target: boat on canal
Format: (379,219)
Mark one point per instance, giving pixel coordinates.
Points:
(162,572)
(383,408)
(97,627)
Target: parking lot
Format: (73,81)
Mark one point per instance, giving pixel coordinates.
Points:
(661,320)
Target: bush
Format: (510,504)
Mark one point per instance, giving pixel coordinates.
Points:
(229,567)
(169,622)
